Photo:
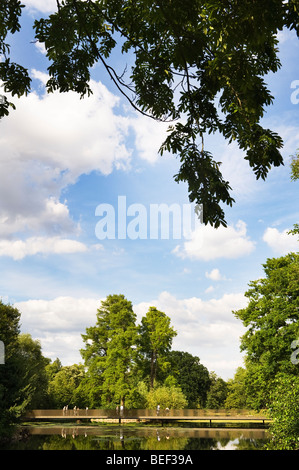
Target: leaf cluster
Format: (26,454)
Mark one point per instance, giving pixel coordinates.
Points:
(15,79)
(271,319)
(188,57)
(201,65)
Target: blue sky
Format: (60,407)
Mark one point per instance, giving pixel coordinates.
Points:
(62,157)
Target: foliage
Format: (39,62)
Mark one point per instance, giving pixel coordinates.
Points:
(284,410)
(154,341)
(15,78)
(271,319)
(31,373)
(236,391)
(52,368)
(295,167)
(110,351)
(166,397)
(64,388)
(191,376)
(199,65)
(294,177)
(217,393)
(9,386)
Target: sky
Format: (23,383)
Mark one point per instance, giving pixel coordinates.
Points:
(64,161)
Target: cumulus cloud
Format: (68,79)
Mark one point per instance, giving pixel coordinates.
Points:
(18,249)
(48,215)
(208,243)
(215,275)
(58,324)
(59,138)
(44,6)
(281,242)
(236,170)
(149,135)
(59,314)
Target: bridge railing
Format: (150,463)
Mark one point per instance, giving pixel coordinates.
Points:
(142,413)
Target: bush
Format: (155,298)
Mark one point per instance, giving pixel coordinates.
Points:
(284,411)
(166,397)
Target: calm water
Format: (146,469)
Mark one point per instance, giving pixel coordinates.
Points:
(125,437)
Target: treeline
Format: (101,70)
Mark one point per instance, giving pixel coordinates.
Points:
(122,363)
(133,364)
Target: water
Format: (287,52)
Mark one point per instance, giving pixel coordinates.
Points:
(128,437)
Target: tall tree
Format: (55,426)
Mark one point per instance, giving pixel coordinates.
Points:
(9,386)
(271,318)
(217,393)
(155,340)
(111,349)
(31,373)
(236,390)
(191,376)
(64,386)
(198,64)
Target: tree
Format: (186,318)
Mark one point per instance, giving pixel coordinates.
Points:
(155,339)
(198,64)
(64,388)
(110,351)
(294,177)
(166,397)
(191,376)
(295,167)
(31,373)
(271,318)
(15,78)
(9,385)
(236,390)
(52,368)
(217,392)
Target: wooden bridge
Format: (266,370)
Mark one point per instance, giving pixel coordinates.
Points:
(218,415)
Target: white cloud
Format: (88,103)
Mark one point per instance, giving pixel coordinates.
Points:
(47,214)
(286,35)
(58,324)
(209,289)
(44,6)
(281,242)
(215,275)
(59,138)
(208,243)
(149,135)
(61,314)
(236,170)
(18,249)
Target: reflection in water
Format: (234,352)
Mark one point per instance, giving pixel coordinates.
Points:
(140,438)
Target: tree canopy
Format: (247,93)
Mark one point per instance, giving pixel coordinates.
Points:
(199,65)
(155,340)
(271,318)
(110,351)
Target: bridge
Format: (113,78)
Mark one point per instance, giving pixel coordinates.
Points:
(218,415)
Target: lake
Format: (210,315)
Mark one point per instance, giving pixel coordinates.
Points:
(130,437)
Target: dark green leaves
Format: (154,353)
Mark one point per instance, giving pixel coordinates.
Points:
(271,319)
(202,63)
(15,78)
